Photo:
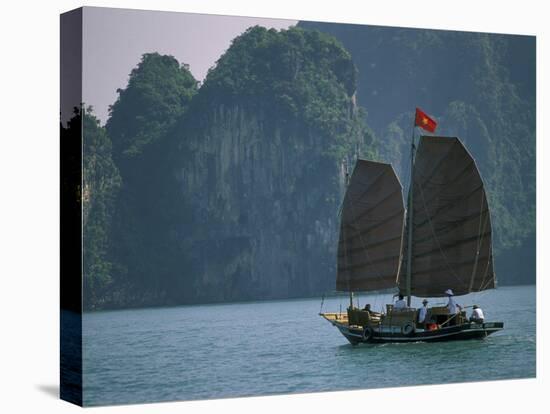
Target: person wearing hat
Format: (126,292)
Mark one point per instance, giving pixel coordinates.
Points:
(423,312)
(452,306)
(477,315)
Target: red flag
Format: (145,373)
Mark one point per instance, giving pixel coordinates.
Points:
(424,121)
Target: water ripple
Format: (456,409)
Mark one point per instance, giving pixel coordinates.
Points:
(262,348)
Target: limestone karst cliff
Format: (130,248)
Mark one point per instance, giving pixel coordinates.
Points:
(230,191)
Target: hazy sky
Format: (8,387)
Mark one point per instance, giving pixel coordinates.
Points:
(115,39)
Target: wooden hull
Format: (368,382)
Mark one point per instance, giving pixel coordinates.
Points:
(356,335)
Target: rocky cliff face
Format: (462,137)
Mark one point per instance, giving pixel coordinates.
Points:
(231,191)
(265,203)
(263,179)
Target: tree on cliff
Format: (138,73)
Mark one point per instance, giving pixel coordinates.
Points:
(302,76)
(100,185)
(148,206)
(158,92)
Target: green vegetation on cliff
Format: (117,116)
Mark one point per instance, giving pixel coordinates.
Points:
(148,206)
(231,191)
(480,87)
(100,186)
(260,158)
(306,77)
(158,92)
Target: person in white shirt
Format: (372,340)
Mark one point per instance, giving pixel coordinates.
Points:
(423,311)
(477,315)
(452,306)
(400,304)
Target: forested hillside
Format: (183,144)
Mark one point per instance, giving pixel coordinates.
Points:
(481,88)
(149,206)
(231,191)
(100,187)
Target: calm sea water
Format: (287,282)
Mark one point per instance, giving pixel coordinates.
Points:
(276,347)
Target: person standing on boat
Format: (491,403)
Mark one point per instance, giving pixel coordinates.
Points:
(452,307)
(451,304)
(400,304)
(423,312)
(477,315)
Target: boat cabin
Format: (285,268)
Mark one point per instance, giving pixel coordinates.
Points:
(436,317)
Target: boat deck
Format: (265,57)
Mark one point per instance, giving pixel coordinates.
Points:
(394,333)
(339,317)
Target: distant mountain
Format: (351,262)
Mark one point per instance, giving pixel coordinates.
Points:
(480,87)
(231,191)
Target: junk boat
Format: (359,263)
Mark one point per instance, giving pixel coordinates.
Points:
(445,244)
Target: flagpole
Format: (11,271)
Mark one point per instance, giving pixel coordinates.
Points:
(410,221)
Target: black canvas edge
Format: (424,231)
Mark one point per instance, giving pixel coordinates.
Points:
(70,208)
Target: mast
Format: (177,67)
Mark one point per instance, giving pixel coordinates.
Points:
(410,223)
(347,185)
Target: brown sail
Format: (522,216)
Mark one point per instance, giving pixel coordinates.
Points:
(451,238)
(371,229)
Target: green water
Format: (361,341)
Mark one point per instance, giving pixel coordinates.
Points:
(277,347)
